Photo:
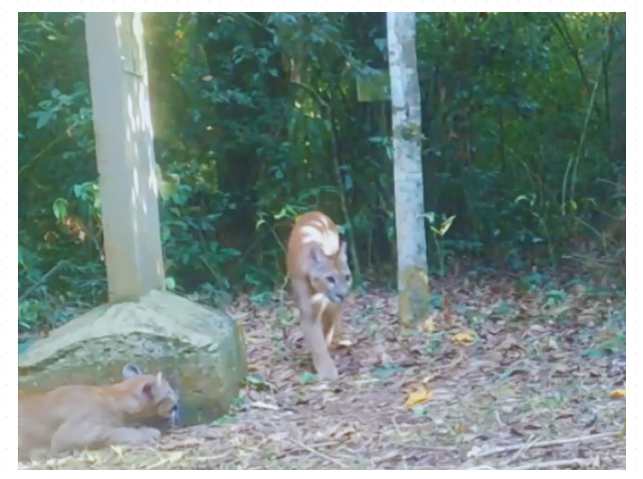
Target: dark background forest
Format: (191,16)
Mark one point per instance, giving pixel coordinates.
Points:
(261,116)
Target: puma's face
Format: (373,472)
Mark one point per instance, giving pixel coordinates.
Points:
(330,275)
(157,398)
(165,401)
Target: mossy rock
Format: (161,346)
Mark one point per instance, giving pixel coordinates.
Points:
(200,350)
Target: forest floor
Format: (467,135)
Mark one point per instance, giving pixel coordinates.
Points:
(503,376)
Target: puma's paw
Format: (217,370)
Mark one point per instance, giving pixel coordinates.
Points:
(133,435)
(328,370)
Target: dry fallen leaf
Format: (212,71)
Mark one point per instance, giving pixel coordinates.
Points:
(463,338)
(345,343)
(264,405)
(182,443)
(588,316)
(579,289)
(118,450)
(418,394)
(371,426)
(618,393)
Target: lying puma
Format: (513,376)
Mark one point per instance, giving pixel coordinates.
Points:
(76,417)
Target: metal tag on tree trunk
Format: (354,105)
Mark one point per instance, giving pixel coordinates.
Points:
(132,41)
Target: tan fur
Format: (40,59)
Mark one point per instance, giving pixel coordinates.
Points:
(76,417)
(320,281)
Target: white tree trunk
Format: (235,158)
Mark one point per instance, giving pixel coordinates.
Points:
(413,283)
(125,152)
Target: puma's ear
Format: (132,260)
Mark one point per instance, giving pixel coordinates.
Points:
(315,254)
(130,370)
(316,261)
(342,249)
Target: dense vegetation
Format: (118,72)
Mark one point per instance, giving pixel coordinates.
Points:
(257,117)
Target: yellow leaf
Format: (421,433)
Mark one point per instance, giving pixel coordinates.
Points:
(446,224)
(463,338)
(418,395)
(428,325)
(461,428)
(618,393)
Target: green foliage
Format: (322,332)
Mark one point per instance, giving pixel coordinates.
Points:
(256,120)
(554,297)
(386,371)
(226,419)
(307,377)
(438,231)
(533,281)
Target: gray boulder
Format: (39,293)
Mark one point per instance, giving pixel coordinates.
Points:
(199,349)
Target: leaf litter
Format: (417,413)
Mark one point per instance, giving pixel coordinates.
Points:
(496,379)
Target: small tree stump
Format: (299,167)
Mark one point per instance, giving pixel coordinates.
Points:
(199,349)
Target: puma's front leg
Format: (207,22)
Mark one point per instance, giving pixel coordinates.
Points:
(70,436)
(311,326)
(131,435)
(331,321)
(314,335)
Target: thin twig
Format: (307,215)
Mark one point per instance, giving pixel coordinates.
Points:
(317,453)
(557,442)
(573,49)
(397,428)
(577,461)
(66,133)
(502,424)
(426,448)
(256,22)
(209,458)
(531,441)
(42,279)
(450,366)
